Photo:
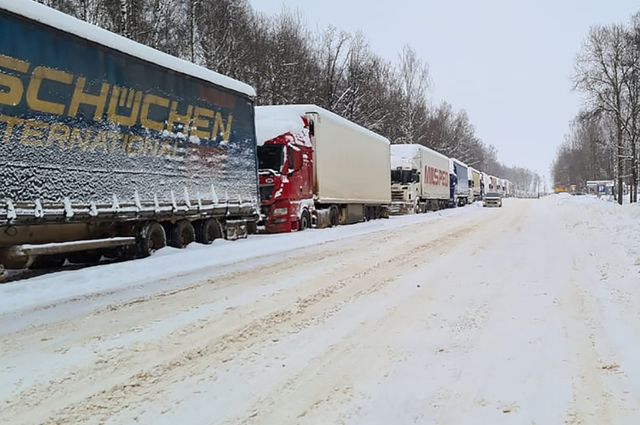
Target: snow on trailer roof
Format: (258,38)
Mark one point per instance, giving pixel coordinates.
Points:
(404,156)
(58,20)
(275,120)
(403,153)
(460,162)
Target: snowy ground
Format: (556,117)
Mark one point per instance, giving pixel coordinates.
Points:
(522,315)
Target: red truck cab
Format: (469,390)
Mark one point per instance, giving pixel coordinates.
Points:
(286,179)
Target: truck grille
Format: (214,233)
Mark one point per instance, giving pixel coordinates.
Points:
(397,195)
(266,192)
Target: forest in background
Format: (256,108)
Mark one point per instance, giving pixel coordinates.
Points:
(603,140)
(287,62)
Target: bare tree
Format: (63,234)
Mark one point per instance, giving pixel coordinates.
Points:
(334,55)
(602,73)
(414,79)
(286,63)
(632,101)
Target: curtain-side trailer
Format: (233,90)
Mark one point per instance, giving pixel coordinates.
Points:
(112,148)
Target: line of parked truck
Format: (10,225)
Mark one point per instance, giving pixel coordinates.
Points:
(109,148)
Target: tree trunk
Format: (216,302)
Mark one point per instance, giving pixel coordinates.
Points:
(193,9)
(634,172)
(620,160)
(125,17)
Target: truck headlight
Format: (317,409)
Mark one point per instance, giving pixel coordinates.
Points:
(280,211)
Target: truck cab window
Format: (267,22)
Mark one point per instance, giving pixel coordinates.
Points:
(405,176)
(270,158)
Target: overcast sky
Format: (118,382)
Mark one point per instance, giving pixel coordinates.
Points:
(508,63)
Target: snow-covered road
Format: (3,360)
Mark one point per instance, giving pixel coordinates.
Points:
(522,315)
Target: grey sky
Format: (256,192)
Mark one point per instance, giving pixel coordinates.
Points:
(507,62)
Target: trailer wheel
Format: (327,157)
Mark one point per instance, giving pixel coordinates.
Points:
(207,231)
(305,221)
(181,234)
(151,238)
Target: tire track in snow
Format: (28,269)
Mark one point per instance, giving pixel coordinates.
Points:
(118,362)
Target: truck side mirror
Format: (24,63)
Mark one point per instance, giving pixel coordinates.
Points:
(312,128)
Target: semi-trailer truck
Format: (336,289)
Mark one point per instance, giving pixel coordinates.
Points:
(461,171)
(493,184)
(475,185)
(484,183)
(419,179)
(317,168)
(112,148)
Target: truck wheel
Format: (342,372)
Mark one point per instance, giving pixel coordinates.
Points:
(334,218)
(305,221)
(48,262)
(207,231)
(151,238)
(181,234)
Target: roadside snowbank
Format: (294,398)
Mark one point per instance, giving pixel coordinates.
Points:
(620,222)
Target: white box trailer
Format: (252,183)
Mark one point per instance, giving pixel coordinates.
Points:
(351,163)
(419,179)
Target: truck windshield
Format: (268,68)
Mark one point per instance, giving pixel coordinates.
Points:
(404,176)
(270,158)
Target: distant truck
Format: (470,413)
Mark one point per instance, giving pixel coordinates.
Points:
(419,179)
(493,184)
(475,185)
(111,148)
(317,168)
(484,184)
(461,171)
(502,187)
